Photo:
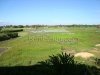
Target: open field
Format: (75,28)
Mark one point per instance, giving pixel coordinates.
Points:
(35,45)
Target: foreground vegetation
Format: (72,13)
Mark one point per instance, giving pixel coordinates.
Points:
(61,64)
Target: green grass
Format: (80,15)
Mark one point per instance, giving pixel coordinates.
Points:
(30,47)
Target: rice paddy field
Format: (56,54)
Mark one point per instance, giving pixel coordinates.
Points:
(34,45)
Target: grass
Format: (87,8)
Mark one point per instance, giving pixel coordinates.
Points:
(30,47)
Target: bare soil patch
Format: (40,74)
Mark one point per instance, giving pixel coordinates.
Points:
(84,55)
(98,45)
(2,49)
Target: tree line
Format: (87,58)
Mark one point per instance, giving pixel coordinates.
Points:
(36,26)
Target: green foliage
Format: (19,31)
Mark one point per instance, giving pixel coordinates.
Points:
(1,28)
(11,30)
(6,36)
(60,59)
(97,62)
(12,34)
(19,26)
(14,26)
(7,33)
(63,64)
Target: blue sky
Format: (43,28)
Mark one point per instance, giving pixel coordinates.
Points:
(50,11)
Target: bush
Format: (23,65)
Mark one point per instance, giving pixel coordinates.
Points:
(63,64)
(60,59)
(11,30)
(12,35)
(4,36)
(97,61)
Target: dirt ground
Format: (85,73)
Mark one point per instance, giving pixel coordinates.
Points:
(97,45)
(2,49)
(84,55)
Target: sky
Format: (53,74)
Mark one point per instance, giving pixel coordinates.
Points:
(50,12)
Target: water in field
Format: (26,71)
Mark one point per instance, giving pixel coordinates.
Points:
(43,31)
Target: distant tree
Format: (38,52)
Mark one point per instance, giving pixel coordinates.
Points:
(1,28)
(15,26)
(20,26)
(8,26)
(27,26)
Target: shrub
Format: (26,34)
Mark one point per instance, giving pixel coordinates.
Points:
(60,59)
(4,36)
(63,64)
(11,30)
(12,35)
(97,61)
